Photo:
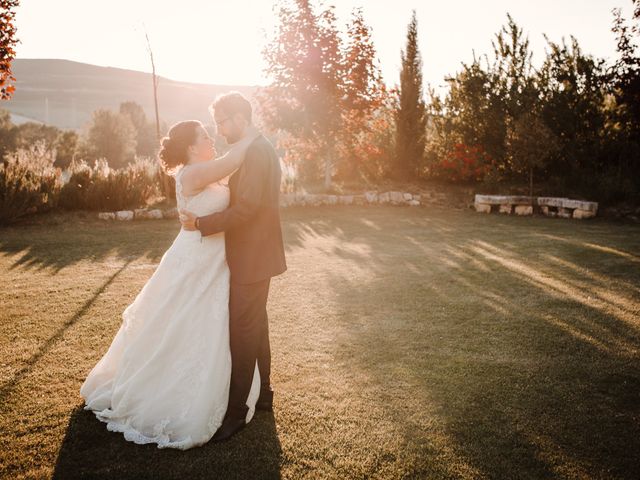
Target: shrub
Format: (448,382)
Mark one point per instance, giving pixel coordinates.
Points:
(463,163)
(103,188)
(28,182)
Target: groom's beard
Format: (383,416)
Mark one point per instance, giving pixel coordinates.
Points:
(234,137)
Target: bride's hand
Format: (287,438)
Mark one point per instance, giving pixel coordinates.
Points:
(188,220)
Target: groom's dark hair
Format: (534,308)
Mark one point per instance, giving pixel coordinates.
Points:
(232,103)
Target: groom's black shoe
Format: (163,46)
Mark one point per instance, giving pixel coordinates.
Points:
(230,426)
(265,401)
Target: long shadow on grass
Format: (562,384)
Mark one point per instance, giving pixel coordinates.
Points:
(7,387)
(89,450)
(73,240)
(526,346)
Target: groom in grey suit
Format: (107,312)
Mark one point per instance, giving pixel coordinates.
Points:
(255,253)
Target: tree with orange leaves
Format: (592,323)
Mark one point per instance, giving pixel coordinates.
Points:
(323,90)
(8,41)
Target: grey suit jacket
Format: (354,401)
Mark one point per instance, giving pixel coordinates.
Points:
(251,223)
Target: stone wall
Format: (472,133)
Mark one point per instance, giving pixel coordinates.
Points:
(294,200)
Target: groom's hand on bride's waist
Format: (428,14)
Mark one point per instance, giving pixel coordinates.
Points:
(188,220)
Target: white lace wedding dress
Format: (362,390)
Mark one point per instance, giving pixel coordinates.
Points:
(165,377)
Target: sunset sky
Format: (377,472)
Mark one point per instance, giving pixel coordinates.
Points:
(220,41)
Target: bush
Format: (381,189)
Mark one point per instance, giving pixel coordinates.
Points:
(103,188)
(464,163)
(28,182)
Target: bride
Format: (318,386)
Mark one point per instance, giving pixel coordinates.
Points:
(165,377)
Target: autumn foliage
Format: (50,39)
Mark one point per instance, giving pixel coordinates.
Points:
(7,43)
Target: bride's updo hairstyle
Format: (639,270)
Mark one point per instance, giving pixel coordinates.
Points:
(173,152)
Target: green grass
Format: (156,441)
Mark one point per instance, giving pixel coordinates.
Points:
(407,343)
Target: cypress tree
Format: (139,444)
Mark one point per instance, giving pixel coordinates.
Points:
(411,114)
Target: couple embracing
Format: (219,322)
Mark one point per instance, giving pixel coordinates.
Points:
(191,361)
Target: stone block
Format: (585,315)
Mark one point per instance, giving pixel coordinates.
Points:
(359,200)
(155,214)
(523,210)
(580,213)
(565,212)
(170,213)
(371,197)
(396,197)
(482,207)
(124,215)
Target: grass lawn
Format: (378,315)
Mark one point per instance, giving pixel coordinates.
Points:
(407,343)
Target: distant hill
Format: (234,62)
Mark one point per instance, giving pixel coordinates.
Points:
(65,93)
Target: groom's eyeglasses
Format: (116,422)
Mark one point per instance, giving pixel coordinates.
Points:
(219,123)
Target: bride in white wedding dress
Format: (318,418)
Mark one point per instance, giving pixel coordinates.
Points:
(165,377)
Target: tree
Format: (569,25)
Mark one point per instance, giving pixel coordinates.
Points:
(480,109)
(530,144)
(364,99)
(66,146)
(7,134)
(304,97)
(411,117)
(112,136)
(571,89)
(624,112)
(146,141)
(28,133)
(8,41)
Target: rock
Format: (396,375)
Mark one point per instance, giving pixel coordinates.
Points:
(359,200)
(574,204)
(346,200)
(417,197)
(503,199)
(407,197)
(551,201)
(170,213)
(564,212)
(332,199)
(107,216)
(482,207)
(396,197)
(287,199)
(505,208)
(313,199)
(371,197)
(414,203)
(523,210)
(547,211)
(125,215)
(384,198)
(155,214)
(580,213)
(300,198)
(143,214)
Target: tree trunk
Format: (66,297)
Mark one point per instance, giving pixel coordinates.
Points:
(328,165)
(531,184)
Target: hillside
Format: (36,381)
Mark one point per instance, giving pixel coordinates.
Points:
(65,93)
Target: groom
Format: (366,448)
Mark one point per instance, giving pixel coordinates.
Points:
(255,253)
